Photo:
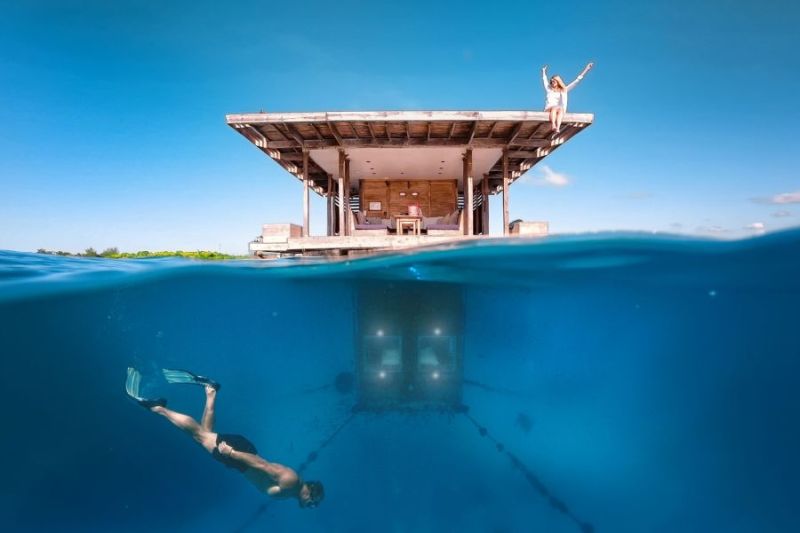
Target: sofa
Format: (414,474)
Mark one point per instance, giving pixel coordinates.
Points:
(450,224)
(360,224)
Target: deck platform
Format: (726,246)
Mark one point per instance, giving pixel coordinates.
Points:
(352,245)
(376,169)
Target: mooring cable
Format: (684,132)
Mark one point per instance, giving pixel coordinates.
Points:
(531,477)
(312,456)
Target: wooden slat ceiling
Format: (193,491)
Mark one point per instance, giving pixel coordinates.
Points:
(527,135)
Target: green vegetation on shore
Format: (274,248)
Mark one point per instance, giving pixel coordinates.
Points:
(114,253)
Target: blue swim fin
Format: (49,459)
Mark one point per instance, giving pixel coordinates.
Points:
(184,376)
(132,384)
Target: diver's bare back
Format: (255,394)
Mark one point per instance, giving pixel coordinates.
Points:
(275,480)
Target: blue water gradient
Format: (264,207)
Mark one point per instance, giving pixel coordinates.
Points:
(649,383)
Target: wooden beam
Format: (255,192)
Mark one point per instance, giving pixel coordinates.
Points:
(277,129)
(291,156)
(468,188)
(472,132)
(362,142)
(329,200)
(347,195)
(515,132)
(371,131)
(532,143)
(341,191)
(355,131)
(522,154)
(335,133)
(485,204)
(541,128)
(388,133)
(305,195)
(294,134)
(452,129)
(491,130)
(428,136)
(316,130)
(506,183)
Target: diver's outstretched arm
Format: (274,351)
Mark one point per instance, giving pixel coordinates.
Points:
(248,459)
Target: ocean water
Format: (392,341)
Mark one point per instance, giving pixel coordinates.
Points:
(611,383)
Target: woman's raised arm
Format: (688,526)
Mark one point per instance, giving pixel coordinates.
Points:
(586,69)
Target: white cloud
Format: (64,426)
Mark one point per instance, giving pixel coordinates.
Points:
(757,227)
(782,214)
(780,199)
(547,178)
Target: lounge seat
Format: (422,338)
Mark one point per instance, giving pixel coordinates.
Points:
(361,225)
(447,228)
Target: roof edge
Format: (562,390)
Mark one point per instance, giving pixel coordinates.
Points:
(401,116)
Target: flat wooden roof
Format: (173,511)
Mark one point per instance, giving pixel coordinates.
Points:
(428,138)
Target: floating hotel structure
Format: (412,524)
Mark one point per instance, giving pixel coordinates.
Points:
(401,179)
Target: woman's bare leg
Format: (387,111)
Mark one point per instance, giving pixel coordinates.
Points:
(203,437)
(552,117)
(559,118)
(207,422)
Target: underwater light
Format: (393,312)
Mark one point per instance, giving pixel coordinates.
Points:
(382,374)
(380,333)
(435,375)
(437,331)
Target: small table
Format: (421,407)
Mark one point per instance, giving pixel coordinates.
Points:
(413,224)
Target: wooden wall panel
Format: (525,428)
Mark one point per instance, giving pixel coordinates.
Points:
(398,204)
(374,191)
(435,197)
(443,197)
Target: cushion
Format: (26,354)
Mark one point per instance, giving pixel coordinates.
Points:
(374,220)
(359,216)
(444,226)
(370,226)
(427,221)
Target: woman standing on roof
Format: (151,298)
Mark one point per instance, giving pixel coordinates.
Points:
(556,99)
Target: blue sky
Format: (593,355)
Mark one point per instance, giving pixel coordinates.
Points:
(112,125)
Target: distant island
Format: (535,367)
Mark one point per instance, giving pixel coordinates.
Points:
(114,253)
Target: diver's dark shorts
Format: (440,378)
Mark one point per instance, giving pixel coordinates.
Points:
(238,443)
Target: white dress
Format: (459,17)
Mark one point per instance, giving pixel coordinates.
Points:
(555,98)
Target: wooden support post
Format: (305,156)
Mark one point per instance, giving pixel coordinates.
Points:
(305,195)
(330,205)
(347,214)
(506,184)
(485,204)
(341,192)
(469,204)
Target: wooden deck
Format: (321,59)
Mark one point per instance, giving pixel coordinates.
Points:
(352,245)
